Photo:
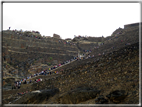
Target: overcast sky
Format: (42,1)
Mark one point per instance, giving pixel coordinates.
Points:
(69,19)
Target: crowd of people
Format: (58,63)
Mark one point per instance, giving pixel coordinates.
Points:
(48,71)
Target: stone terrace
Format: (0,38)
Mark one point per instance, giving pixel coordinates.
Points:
(18,49)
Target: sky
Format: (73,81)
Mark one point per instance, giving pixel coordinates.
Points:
(69,19)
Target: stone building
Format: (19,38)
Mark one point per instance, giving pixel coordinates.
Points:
(56,36)
(132,25)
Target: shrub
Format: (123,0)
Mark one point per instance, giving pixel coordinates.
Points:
(50,58)
(49,64)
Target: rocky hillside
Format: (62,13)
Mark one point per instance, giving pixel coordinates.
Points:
(119,38)
(23,52)
(35,54)
(113,78)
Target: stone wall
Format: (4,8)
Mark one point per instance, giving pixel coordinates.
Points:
(56,36)
(22,51)
(95,39)
(132,25)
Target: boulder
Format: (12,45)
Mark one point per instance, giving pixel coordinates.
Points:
(78,95)
(117,96)
(37,97)
(101,100)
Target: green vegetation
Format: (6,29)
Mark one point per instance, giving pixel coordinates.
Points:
(50,58)
(49,64)
(8,64)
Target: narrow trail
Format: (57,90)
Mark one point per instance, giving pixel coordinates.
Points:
(24,86)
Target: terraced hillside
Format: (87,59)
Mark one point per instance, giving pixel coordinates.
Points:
(117,71)
(117,41)
(31,51)
(21,52)
(114,66)
(119,38)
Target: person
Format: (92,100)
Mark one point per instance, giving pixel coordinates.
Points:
(36,80)
(40,79)
(19,93)
(89,56)
(9,28)
(42,72)
(14,86)
(45,73)
(19,82)
(25,82)
(18,86)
